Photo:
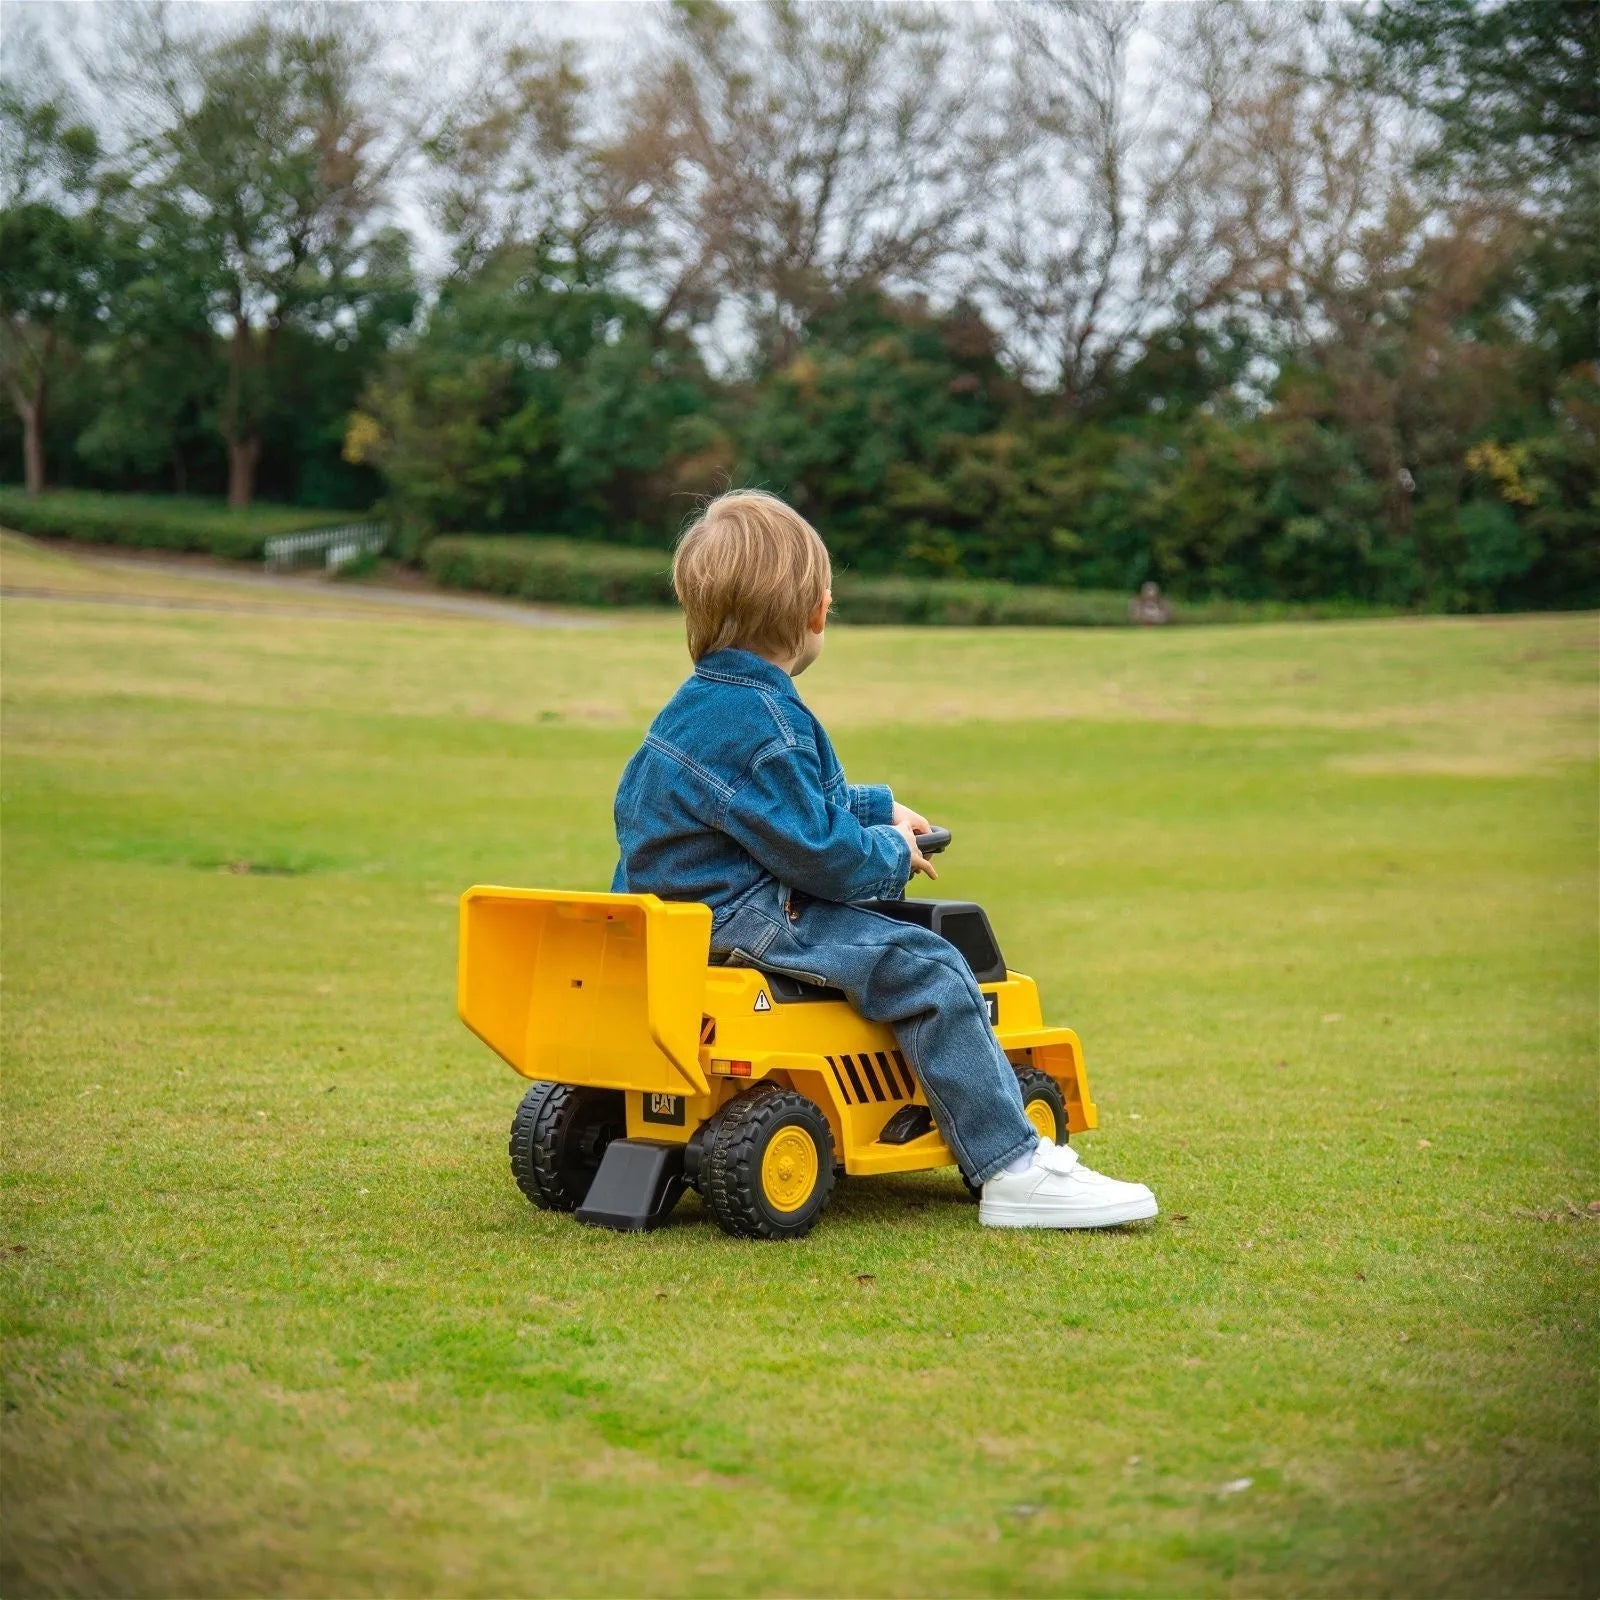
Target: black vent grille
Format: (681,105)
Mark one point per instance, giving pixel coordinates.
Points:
(879,1077)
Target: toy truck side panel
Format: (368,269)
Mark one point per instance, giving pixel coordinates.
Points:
(1055,1051)
(1058,1053)
(853,1069)
(1014,1005)
(595,989)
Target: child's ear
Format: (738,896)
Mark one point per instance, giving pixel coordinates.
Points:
(819,617)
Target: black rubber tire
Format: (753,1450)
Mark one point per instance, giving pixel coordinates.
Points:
(1035,1085)
(558,1136)
(730,1177)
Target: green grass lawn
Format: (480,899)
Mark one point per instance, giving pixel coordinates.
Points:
(1321,901)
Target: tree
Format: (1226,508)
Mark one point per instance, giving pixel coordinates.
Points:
(515,161)
(1509,101)
(1113,206)
(534,399)
(51,258)
(266,177)
(864,431)
(1513,94)
(1513,88)
(789,155)
(156,363)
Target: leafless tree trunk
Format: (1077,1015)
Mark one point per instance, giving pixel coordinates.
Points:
(785,155)
(27,357)
(1110,210)
(242,438)
(243,457)
(32,414)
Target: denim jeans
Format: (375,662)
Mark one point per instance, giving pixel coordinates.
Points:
(917,983)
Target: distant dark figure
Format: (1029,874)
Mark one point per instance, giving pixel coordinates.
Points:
(1148,608)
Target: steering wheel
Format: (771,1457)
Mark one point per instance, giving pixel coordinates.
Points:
(933,841)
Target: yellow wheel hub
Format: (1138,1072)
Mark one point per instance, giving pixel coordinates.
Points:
(789,1169)
(1043,1116)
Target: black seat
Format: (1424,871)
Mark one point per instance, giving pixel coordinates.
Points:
(962,922)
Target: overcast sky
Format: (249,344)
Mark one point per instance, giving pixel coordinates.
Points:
(439,47)
(441,41)
(443,36)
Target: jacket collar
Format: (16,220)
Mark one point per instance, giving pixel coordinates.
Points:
(743,666)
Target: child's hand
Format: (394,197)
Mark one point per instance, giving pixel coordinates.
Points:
(902,813)
(908,827)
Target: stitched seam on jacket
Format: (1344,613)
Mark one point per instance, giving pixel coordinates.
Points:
(863,790)
(765,754)
(771,751)
(765,690)
(673,753)
(732,677)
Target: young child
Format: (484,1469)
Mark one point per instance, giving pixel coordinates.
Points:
(736,799)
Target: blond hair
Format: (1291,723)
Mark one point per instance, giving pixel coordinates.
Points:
(749,572)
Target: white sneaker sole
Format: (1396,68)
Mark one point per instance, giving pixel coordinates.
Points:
(1000,1215)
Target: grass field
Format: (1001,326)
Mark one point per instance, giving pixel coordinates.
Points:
(1320,899)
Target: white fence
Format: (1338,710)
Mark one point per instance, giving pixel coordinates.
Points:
(335,546)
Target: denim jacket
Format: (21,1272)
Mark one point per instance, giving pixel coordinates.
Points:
(736,797)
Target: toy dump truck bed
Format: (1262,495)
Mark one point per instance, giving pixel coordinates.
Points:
(596,989)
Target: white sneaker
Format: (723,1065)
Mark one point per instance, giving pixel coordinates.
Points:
(1058,1191)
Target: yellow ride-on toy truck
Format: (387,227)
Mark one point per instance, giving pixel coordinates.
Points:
(655,1071)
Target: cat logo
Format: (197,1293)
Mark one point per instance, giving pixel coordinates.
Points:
(993,1001)
(762,1003)
(664,1108)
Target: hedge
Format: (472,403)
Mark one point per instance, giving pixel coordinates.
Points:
(553,571)
(575,573)
(959,602)
(566,572)
(160,522)
(569,572)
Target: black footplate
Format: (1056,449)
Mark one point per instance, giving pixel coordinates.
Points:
(908,1123)
(636,1187)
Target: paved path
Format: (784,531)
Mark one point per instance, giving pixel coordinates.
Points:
(328,599)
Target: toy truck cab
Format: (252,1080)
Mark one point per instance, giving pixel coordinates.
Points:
(655,1070)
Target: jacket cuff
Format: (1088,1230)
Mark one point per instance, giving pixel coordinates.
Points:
(872,804)
(902,856)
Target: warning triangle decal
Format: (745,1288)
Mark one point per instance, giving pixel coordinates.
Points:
(762,1003)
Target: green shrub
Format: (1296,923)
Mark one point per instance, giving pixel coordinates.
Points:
(359,568)
(160,522)
(956,602)
(553,571)
(567,572)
